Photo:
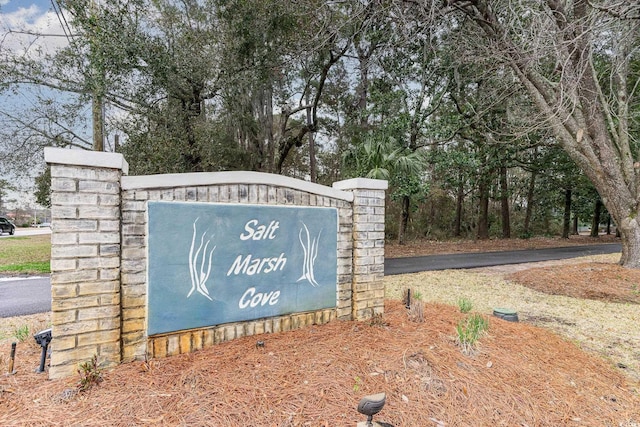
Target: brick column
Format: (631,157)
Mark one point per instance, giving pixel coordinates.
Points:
(85,258)
(368,245)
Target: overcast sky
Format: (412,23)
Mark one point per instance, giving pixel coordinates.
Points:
(11,6)
(27,14)
(35,16)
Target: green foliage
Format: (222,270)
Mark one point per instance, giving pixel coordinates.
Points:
(525,235)
(21,333)
(357,384)
(465,305)
(226,85)
(469,330)
(43,188)
(90,374)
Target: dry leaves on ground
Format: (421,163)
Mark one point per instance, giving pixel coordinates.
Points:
(439,247)
(580,369)
(594,280)
(519,375)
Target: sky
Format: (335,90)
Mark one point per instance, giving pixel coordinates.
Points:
(11,6)
(19,19)
(27,14)
(30,16)
(36,16)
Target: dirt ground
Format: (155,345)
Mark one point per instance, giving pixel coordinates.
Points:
(552,368)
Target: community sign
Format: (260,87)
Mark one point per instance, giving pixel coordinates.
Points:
(210,264)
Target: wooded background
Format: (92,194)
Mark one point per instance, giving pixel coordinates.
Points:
(505,118)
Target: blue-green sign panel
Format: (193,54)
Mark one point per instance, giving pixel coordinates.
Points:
(218,263)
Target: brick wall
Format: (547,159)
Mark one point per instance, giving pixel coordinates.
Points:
(99,250)
(85,261)
(368,245)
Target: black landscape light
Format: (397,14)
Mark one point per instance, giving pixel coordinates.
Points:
(43,338)
(371,405)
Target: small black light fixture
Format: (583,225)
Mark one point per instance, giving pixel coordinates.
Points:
(371,405)
(43,338)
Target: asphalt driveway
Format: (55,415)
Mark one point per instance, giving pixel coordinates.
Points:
(22,296)
(487,259)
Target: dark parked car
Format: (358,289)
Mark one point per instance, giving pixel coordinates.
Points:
(6,226)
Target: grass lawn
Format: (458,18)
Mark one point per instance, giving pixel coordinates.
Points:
(25,254)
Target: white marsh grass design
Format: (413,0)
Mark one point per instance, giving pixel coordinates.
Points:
(199,278)
(310,248)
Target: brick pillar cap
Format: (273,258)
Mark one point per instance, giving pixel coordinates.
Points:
(65,156)
(361,184)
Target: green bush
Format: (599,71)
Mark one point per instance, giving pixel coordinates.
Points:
(465,305)
(469,331)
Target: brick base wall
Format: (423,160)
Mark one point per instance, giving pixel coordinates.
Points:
(99,254)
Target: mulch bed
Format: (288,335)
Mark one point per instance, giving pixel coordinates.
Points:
(438,247)
(520,375)
(597,281)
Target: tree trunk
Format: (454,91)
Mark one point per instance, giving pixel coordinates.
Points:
(404,219)
(566,223)
(312,146)
(97,111)
(264,108)
(530,194)
(483,214)
(457,224)
(595,224)
(504,204)
(630,235)
(362,89)
(594,132)
(575,225)
(191,157)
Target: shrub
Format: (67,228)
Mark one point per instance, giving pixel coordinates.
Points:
(465,305)
(90,374)
(469,331)
(21,333)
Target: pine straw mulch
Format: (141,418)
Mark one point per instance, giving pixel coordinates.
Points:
(520,375)
(594,281)
(438,247)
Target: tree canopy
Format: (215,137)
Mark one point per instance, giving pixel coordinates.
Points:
(482,114)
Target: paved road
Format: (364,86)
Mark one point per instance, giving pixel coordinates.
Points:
(29,231)
(474,260)
(26,295)
(21,296)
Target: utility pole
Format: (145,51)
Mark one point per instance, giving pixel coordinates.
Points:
(97,76)
(97,109)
